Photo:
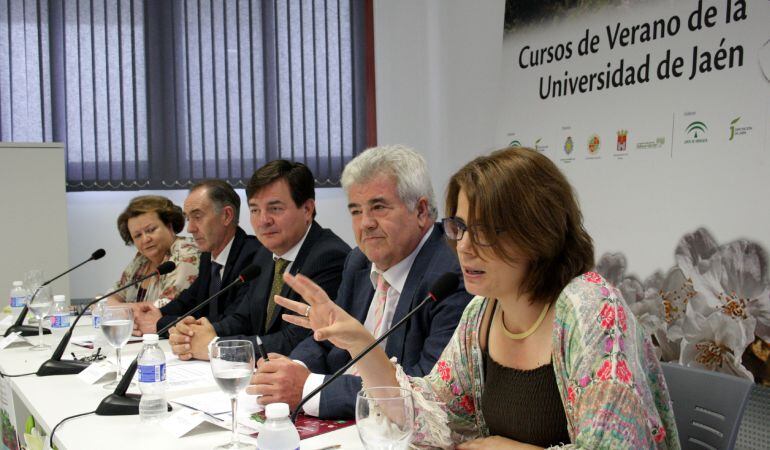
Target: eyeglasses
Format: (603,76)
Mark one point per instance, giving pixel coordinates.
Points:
(481,235)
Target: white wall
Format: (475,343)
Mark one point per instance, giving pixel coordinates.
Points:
(438,73)
(32,196)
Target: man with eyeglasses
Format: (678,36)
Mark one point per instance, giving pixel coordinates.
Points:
(281,199)
(401,253)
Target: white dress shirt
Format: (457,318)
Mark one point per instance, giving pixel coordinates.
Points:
(396,277)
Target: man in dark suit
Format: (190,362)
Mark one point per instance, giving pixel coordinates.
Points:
(281,198)
(211,208)
(401,253)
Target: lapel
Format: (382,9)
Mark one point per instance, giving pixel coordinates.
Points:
(232,257)
(362,294)
(407,300)
(296,267)
(261,287)
(205,276)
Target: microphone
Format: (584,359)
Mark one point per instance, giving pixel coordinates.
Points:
(445,285)
(27,330)
(55,365)
(121,404)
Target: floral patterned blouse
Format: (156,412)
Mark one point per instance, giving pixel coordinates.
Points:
(162,290)
(609,378)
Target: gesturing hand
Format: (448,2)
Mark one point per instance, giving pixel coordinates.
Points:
(327,320)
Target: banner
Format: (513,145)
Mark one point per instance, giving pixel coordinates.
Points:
(658,113)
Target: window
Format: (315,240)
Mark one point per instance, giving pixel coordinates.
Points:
(150,95)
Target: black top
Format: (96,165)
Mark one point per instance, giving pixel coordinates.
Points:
(523,405)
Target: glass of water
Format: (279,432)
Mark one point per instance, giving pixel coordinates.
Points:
(33,279)
(41,307)
(117,323)
(232,363)
(385,418)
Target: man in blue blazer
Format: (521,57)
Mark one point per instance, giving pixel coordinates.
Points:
(401,253)
(212,208)
(281,198)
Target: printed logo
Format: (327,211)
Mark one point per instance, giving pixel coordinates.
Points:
(539,146)
(514,143)
(735,130)
(594,143)
(697,132)
(659,142)
(568,145)
(622,136)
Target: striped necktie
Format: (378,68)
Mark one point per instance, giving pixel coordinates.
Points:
(279,268)
(381,297)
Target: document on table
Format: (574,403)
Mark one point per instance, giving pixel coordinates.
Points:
(181,375)
(87,340)
(216,407)
(187,374)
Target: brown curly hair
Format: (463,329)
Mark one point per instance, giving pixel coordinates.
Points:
(167,211)
(523,195)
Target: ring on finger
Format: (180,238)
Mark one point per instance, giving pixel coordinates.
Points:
(307,311)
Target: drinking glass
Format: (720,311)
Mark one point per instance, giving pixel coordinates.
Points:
(33,278)
(117,322)
(385,417)
(232,363)
(41,307)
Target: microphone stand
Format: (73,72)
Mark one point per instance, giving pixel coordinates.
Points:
(57,366)
(28,330)
(119,403)
(358,357)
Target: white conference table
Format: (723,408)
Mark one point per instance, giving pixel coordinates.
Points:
(51,399)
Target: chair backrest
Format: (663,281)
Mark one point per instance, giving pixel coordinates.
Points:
(708,406)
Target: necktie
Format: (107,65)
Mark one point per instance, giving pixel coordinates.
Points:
(279,268)
(380,296)
(214,285)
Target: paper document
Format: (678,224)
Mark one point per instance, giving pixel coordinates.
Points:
(87,340)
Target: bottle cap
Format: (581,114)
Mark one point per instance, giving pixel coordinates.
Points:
(276,410)
(150,338)
(18,283)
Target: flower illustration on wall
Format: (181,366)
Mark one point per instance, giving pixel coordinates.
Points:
(708,309)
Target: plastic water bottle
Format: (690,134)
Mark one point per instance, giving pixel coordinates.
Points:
(18,298)
(100,341)
(152,380)
(60,314)
(278,431)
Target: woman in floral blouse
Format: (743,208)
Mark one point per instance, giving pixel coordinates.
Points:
(151,223)
(547,354)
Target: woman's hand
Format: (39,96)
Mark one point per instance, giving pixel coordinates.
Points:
(327,320)
(494,442)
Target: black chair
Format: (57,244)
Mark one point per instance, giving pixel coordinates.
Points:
(708,406)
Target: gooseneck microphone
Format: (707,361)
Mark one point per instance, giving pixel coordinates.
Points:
(55,365)
(442,287)
(27,330)
(121,404)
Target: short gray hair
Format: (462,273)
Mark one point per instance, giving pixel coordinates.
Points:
(404,164)
(221,194)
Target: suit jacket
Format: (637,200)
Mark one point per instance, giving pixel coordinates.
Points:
(417,344)
(320,258)
(241,254)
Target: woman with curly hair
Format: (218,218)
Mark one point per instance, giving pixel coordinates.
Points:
(151,224)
